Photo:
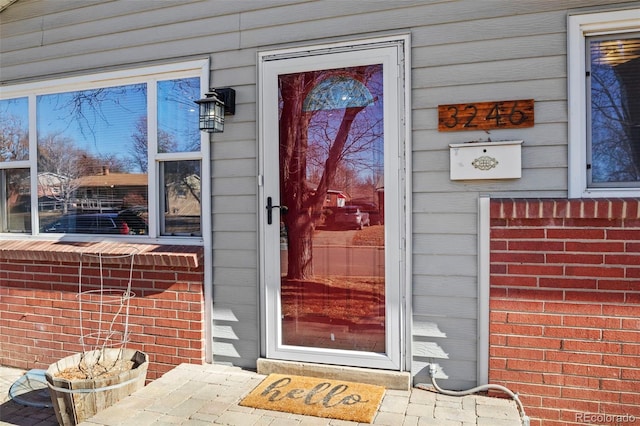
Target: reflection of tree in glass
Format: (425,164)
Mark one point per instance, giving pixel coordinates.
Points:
(14,138)
(360,164)
(86,108)
(322,144)
(615,121)
(61,165)
(140,147)
(178,115)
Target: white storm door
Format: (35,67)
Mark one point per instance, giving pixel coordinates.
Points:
(331,196)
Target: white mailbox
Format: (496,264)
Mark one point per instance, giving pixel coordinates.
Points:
(485,160)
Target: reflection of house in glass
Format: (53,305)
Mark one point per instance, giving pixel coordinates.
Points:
(335,198)
(49,184)
(49,190)
(104,192)
(374,205)
(110,191)
(115,191)
(183,196)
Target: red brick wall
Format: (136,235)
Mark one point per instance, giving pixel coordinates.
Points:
(39,307)
(565,307)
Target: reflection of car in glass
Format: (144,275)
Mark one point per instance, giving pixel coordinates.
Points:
(94,223)
(136,219)
(351,217)
(374,213)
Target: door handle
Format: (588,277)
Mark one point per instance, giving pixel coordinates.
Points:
(270,206)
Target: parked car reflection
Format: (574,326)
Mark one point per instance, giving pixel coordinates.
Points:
(93,223)
(351,217)
(136,219)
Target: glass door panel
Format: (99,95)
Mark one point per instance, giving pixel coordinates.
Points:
(332,168)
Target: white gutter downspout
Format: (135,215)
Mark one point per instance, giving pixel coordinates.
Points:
(484,229)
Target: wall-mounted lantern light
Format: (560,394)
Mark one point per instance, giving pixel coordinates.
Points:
(213,108)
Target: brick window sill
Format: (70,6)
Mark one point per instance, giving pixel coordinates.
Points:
(64,251)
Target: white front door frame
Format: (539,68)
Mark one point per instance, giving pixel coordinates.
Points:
(392,52)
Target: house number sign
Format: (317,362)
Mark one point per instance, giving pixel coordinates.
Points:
(485,115)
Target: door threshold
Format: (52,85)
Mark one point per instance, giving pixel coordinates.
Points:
(396,380)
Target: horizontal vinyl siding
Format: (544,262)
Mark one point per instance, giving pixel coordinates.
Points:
(462,51)
(477,57)
(236,337)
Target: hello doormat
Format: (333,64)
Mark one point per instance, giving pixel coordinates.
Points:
(335,399)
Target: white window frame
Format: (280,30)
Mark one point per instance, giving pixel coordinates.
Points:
(150,75)
(579,27)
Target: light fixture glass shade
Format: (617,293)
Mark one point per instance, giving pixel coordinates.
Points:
(337,92)
(211,113)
